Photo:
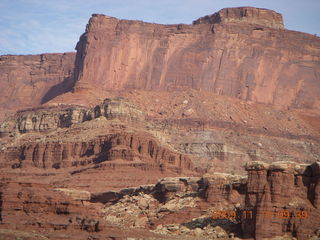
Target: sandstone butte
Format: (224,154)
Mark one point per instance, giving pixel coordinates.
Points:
(149,131)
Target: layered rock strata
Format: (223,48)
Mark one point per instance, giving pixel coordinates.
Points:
(61,127)
(47,119)
(128,147)
(256,16)
(35,206)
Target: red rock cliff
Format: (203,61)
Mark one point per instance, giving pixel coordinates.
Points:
(27,81)
(240,52)
(284,199)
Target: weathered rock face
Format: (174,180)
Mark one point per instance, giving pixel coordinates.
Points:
(225,187)
(283,198)
(38,207)
(43,120)
(257,16)
(27,81)
(174,206)
(38,211)
(276,200)
(238,56)
(48,119)
(138,150)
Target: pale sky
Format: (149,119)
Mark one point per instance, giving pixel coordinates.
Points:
(46,26)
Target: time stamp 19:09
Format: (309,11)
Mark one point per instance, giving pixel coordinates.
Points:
(250,214)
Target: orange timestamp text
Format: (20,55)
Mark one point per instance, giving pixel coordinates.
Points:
(250,214)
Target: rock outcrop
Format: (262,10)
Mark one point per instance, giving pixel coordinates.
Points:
(48,119)
(38,207)
(225,187)
(138,150)
(283,199)
(28,81)
(245,54)
(256,16)
(37,211)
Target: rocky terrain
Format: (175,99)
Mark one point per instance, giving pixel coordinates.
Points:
(280,199)
(149,131)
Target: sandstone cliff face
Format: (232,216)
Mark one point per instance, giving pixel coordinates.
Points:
(245,55)
(27,81)
(132,148)
(225,187)
(275,189)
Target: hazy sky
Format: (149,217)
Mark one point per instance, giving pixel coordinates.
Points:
(39,26)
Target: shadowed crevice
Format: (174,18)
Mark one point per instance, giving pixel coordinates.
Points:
(56,90)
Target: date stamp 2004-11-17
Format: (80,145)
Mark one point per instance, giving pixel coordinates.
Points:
(250,214)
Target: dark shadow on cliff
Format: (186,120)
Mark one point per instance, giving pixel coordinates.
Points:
(56,90)
(68,83)
(310,179)
(104,153)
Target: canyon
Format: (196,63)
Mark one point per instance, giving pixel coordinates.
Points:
(154,131)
